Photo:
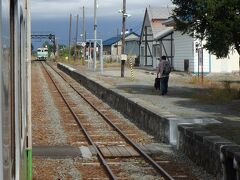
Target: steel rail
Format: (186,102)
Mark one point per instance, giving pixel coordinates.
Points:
(102,160)
(136,147)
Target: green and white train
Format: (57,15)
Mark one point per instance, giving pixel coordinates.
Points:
(42,54)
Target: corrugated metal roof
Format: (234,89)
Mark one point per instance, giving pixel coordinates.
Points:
(113,40)
(160,12)
(169,22)
(164,32)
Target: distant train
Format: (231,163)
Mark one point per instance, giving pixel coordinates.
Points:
(15,114)
(42,54)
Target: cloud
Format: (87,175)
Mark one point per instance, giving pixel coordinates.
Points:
(55,9)
(53,16)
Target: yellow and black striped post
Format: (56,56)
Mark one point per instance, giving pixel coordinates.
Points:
(131,67)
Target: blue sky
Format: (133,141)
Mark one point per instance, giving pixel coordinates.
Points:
(53,16)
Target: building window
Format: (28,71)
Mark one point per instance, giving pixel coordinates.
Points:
(142,51)
(157,51)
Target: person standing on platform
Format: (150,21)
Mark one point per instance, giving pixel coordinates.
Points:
(164,69)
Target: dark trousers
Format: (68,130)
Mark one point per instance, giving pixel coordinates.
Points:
(164,85)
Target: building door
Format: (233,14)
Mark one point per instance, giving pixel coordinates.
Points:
(186,65)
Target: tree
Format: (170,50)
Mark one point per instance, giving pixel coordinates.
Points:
(49,46)
(63,50)
(216,21)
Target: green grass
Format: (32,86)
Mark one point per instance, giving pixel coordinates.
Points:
(71,61)
(217,95)
(127,90)
(214,92)
(111,64)
(199,81)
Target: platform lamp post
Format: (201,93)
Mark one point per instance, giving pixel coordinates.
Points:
(123,55)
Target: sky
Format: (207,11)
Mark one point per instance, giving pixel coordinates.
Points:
(53,16)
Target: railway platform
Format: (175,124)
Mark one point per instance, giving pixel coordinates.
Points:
(177,118)
(179,99)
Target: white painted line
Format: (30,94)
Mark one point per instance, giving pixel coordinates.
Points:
(68,67)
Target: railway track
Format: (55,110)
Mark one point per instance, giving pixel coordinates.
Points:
(106,160)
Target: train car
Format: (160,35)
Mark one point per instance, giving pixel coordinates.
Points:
(42,54)
(15,114)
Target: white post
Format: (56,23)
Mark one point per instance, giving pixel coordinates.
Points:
(101,56)
(90,53)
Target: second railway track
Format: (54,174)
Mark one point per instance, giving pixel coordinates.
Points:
(111,142)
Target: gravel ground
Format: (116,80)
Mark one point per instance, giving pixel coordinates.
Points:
(56,169)
(55,123)
(47,130)
(50,120)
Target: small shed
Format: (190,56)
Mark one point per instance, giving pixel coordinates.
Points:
(113,45)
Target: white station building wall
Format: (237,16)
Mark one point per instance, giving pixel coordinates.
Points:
(225,65)
(183,50)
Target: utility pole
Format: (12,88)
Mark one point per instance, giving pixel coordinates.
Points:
(117,43)
(70,32)
(95,35)
(57,47)
(76,38)
(123,36)
(84,35)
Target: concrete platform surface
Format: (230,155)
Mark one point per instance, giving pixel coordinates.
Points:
(179,100)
